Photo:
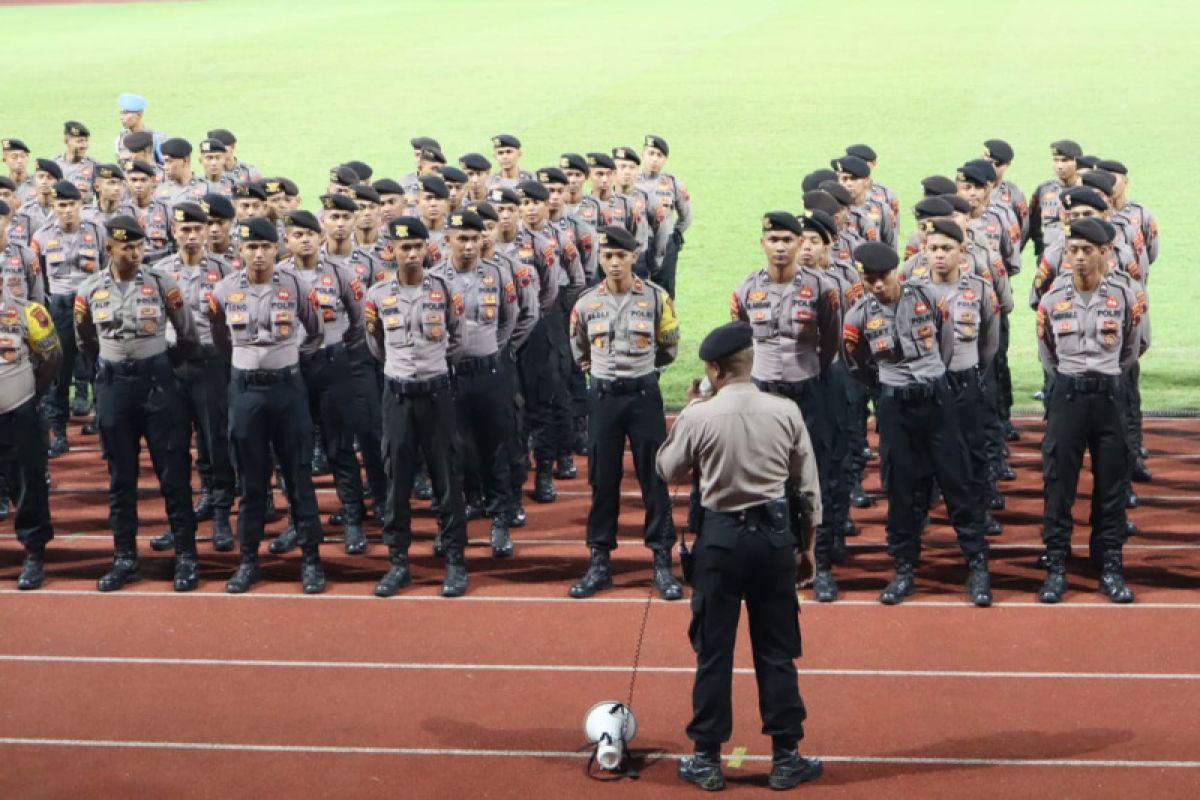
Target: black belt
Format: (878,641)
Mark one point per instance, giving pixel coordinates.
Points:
(625,385)
(412,388)
(1096,384)
(963,377)
(263,377)
(327,353)
(130,367)
(912,392)
(470,366)
(751,513)
(795,390)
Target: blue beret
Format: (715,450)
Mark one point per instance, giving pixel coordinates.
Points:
(131,102)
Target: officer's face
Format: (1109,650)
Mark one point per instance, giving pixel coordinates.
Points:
(393,206)
(813,250)
(617,264)
(429,168)
(5,219)
(476,180)
(176,168)
(653,159)
(259,258)
(43,180)
(626,172)
(464,246)
(125,256)
(368,214)
(190,236)
(883,287)
(338,224)
(1064,168)
(302,241)
(409,253)
(1086,259)
(1079,212)
(110,189)
(456,190)
(557,191)
(533,212)
(230,156)
(130,118)
(76,147)
(214,164)
(575,180)
(781,247)
(943,253)
(432,207)
(601,179)
(16,161)
(1000,169)
(248,208)
(67,212)
(491,233)
(974,194)
(337,188)
(962,219)
(141,186)
(508,157)
(508,217)
(279,205)
(218,234)
(857,187)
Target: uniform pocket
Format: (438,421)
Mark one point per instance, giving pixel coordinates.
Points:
(696,628)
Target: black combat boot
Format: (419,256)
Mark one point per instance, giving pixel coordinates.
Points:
(991,525)
(703,769)
(398,576)
(247,575)
(163,542)
(859,497)
(669,587)
(125,570)
(455,582)
(565,469)
(222,536)
(598,576)
(902,584)
(979,582)
(791,769)
(58,441)
(825,588)
(1141,473)
(312,575)
(1112,579)
(543,484)
(187,572)
(502,546)
(422,490)
(204,507)
(517,518)
(1055,585)
(285,542)
(355,540)
(320,459)
(32,570)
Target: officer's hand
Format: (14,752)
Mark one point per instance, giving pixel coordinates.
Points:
(806,560)
(585,365)
(693,392)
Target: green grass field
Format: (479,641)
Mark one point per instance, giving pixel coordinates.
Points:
(750,95)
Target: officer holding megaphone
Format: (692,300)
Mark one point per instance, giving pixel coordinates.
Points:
(749,450)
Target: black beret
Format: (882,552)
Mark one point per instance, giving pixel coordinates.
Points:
(50,166)
(574,161)
(435,186)
(813,180)
(960,204)
(485,210)
(453,175)
(222,135)
(504,195)
(65,190)
(973,173)
(258,230)
(420,142)
(144,167)
(73,128)
(626,154)
(475,162)
(406,228)
(189,212)
(364,191)
(726,340)
(1087,162)
(821,201)
(387,186)
(852,165)
(124,228)
(932,207)
(433,155)
(343,176)
(863,151)
(5,209)
(820,223)
(106,171)
(532,190)
(138,141)
(362,169)
(212,146)
(838,192)
(946,227)
(14,145)
(781,221)
(617,238)
(1083,196)
(250,189)
(987,168)
(289,187)
(875,258)
(1090,229)
(998,150)
(1099,179)
(338,202)
(552,175)
(1113,166)
(1067,148)
(938,184)
(7,183)
(506,140)
(217,206)
(465,221)
(271,186)
(176,148)
(601,160)
(658,143)
(303,219)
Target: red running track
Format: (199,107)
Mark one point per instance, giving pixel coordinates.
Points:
(147,693)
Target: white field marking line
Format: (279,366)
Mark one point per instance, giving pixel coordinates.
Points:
(574,755)
(586,669)
(639,600)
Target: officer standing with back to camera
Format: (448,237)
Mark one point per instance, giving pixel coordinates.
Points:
(121,315)
(744,446)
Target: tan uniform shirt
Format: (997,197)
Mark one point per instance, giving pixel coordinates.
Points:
(128,320)
(746,445)
(263,322)
(624,335)
(1096,335)
(416,331)
(797,325)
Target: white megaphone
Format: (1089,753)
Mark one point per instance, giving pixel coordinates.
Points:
(610,726)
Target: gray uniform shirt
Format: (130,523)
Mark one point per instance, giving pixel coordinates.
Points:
(900,344)
(196,283)
(535,251)
(797,325)
(415,331)
(69,258)
(171,192)
(128,320)
(265,324)
(338,294)
(670,206)
(1080,336)
(624,335)
(81,173)
(525,284)
(489,306)
(21,272)
(974,315)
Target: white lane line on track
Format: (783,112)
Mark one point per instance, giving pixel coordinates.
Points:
(1085,601)
(567,754)
(582,668)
